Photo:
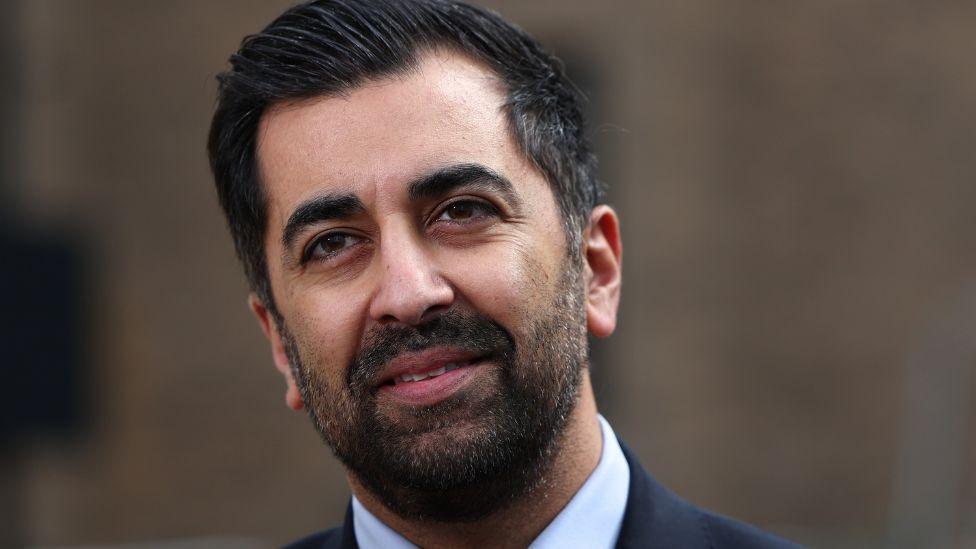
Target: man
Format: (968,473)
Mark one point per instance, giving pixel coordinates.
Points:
(412,196)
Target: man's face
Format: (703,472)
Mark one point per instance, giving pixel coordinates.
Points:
(429,313)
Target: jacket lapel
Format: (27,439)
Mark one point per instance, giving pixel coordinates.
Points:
(348,539)
(655,518)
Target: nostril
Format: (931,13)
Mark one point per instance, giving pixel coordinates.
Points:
(433,311)
(388,319)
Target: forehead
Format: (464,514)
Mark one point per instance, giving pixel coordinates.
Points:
(386,132)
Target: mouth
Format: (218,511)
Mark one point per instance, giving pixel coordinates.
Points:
(414,377)
(428,378)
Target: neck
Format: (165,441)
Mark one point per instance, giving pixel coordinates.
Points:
(576,456)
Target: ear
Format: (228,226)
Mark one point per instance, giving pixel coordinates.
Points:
(603,249)
(293,397)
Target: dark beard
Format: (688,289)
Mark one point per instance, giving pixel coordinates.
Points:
(476,452)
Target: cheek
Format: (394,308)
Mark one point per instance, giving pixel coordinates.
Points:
(326,328)
(502,281)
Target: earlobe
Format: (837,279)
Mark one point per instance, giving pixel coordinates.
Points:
(293,397)
(603,251)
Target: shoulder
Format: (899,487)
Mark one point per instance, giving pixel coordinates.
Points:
(727,533)
(656,517)
(340,537)
(327,539)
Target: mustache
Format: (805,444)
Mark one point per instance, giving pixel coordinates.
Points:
(465,330)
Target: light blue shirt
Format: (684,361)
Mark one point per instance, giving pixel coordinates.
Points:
(592,518)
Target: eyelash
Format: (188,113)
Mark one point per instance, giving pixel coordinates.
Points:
(484,209)
(309,254)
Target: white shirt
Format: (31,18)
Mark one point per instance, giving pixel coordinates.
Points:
(592,518)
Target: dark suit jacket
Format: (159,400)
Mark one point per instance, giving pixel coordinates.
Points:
(655,518)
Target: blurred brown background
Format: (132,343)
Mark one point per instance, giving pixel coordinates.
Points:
(797,187)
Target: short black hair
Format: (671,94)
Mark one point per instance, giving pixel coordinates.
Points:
(327,47)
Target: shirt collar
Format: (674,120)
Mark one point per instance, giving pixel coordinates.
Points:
(592,517)
(372,533)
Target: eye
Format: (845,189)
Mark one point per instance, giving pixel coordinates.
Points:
(465,210)
(330,245)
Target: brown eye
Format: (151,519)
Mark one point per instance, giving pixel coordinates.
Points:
(466,210)
(460,210)
(331,244)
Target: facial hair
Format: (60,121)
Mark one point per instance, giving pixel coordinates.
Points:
(476,452)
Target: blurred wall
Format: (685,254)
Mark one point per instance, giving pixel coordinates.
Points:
(795,182)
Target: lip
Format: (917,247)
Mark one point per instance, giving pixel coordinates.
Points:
(431,390)
(423,363)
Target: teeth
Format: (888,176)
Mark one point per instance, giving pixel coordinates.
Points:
(404,378)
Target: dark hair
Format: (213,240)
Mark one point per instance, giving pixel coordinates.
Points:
(326,47)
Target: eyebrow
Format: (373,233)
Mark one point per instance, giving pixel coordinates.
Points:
(445,180)
(318,209)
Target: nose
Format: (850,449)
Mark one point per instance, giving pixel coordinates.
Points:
(411,286)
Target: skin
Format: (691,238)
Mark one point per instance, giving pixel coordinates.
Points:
(406,260)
